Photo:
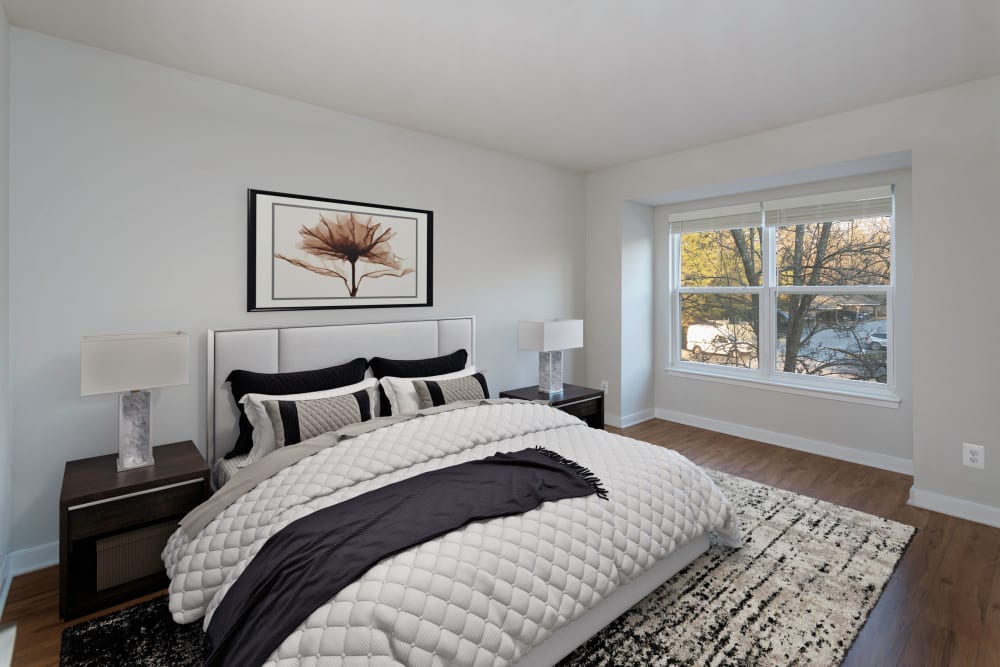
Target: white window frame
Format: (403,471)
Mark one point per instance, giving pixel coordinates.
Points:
(766,375)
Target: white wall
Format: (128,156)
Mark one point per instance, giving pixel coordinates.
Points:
(6,443)
(637,372)
(954,140)
(128,214)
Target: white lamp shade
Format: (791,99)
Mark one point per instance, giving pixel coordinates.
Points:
(549,335)
(128,362)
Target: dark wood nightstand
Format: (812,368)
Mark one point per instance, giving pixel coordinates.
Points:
(583,402)
(113,525)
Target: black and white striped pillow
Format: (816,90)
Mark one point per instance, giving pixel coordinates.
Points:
(296,421)
(440,392)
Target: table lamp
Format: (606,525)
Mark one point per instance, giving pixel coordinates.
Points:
(131,364)
(550,338)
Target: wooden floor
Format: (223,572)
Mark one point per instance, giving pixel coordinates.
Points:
(33,604)
(941,607)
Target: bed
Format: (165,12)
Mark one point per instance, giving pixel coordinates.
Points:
(524,589)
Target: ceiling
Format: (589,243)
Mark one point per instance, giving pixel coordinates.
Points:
(582,84)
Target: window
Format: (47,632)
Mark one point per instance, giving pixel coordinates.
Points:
(792,291)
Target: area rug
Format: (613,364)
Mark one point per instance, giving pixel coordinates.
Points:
(797,593)
(143,634)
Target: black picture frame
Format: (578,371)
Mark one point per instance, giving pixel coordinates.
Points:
(262,257)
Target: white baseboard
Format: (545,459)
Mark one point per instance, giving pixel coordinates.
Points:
(33,558)
(5,579)
(23,561)
(963,509)
(629,420)
(865,458)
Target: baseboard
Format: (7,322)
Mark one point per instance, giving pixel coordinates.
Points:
(23,561)
(33,558)
(5,579)
(963,509)
(629,420)
(840,452)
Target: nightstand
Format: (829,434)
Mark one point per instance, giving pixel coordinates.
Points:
(582,402)
(114,525)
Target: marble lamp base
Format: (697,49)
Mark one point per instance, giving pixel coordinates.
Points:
(134,450)
(550,372)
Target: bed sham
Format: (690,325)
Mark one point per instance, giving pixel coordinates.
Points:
(297,420)
(263,430)
(412,368)
(243,382)
(436,392)
(402,393)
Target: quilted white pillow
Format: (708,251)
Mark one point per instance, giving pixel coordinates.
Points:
(402,394)
(263,432)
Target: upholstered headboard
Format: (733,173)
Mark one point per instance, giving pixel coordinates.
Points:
(277,350)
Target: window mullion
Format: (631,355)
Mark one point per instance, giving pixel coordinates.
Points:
(766,343)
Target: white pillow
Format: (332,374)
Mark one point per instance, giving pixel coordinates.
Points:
(402,394)
(263,432)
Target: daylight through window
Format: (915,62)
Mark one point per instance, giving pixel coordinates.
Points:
(792,290)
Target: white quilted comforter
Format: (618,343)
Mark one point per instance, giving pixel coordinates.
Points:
(482,595)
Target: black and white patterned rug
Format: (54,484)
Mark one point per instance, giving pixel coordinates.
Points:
(797,593)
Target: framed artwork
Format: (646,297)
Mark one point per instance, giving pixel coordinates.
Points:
(314,253)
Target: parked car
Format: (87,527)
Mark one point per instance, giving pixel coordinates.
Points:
(711,339)
(877,340)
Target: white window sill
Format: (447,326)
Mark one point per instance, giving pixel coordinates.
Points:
(884,398)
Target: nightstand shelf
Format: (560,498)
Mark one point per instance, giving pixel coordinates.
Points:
(582,402)
(113,525)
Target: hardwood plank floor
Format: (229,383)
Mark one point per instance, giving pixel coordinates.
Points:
(941,607)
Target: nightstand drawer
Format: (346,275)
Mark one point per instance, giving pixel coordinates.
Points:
(124,512)
(582,409)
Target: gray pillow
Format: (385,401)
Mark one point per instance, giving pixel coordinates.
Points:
(299,420)
(470,388)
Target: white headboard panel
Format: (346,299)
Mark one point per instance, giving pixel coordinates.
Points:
(277,350)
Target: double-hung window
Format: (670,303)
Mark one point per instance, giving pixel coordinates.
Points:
(795,292)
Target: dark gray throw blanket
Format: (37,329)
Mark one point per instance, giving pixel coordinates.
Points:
(309,561)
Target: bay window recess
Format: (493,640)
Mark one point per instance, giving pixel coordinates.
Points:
(795,292)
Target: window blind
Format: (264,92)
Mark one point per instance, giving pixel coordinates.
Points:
(708,220)
(866,203)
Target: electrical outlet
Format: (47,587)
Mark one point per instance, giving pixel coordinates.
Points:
(604,386)
(973,456)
